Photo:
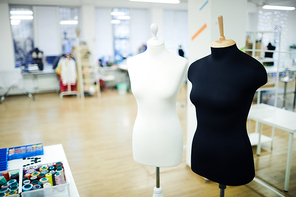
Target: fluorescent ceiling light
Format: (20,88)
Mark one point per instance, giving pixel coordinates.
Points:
(115,21)
(68,22)
(158,1)
(117,13)
(15,22)
(22,12)
(124,17)
(21,17)
(274,7)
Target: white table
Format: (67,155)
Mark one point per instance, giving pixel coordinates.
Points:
(53,153)
(279,118)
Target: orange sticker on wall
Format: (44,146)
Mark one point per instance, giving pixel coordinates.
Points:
(199,31)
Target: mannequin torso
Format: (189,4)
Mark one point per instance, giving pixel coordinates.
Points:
(156,77)
(223,86)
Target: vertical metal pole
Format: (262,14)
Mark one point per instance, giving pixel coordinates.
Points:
(259,140)
(157,178)
(289,160)
(285,95)
(222,189)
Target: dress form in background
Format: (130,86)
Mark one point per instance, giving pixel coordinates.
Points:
(156,76)
(223,86)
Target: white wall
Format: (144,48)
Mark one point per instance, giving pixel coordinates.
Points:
(157,17)
(140,28)
(175,30)
(6,46)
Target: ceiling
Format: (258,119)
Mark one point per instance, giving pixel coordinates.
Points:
(274,2)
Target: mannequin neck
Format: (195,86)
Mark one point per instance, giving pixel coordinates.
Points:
(218,53)
(154,50)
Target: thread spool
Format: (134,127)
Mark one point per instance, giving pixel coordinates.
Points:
(61,171)
(26,169)
(59,179)
(4,190)
(36,187)
(47,190)
(49,177)
(40,176)
(35,182)
(43,168)
(35,174)
(5,186)
(6,175)
(26,182)
(25,178)
(14,188)
(15,176)
(58,163)
(31,171)
(27,175)
(51,168)
(50,164)
(12,193)
(27,187)
(39,183)
(33,178)
(44,181)
(13,185)
(44,172)
(2,180)
(11,181)
(53,172)
(35,168)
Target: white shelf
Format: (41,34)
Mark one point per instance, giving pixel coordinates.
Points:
(255,136)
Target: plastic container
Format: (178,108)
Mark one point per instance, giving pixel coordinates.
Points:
(19,180)
(62,190)
(54,191)
(122,88)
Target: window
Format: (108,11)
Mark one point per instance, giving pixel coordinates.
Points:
(68,25)
(21,20)
(121,33)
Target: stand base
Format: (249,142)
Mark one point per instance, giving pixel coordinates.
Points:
(157,192)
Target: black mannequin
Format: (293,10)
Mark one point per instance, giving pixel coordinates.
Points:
(223,86)
(37,56)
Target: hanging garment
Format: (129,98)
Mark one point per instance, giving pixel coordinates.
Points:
(68,71)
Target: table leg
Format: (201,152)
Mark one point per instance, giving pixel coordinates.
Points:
(259,140)
(289,159)
(285,95)
(294,102)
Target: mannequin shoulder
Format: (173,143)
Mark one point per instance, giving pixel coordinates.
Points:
(135,60)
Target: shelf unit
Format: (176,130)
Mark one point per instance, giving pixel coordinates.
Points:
(255,52)
(86,72)
(275,69)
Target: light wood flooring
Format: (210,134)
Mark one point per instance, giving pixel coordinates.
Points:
(97,138)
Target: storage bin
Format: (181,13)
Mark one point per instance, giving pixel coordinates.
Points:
(122,88)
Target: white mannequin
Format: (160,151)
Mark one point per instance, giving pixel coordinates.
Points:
(156,76)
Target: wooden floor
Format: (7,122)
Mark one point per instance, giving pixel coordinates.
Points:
(97,137)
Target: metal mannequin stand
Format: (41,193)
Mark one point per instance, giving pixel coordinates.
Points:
(222,189)
(157,189)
